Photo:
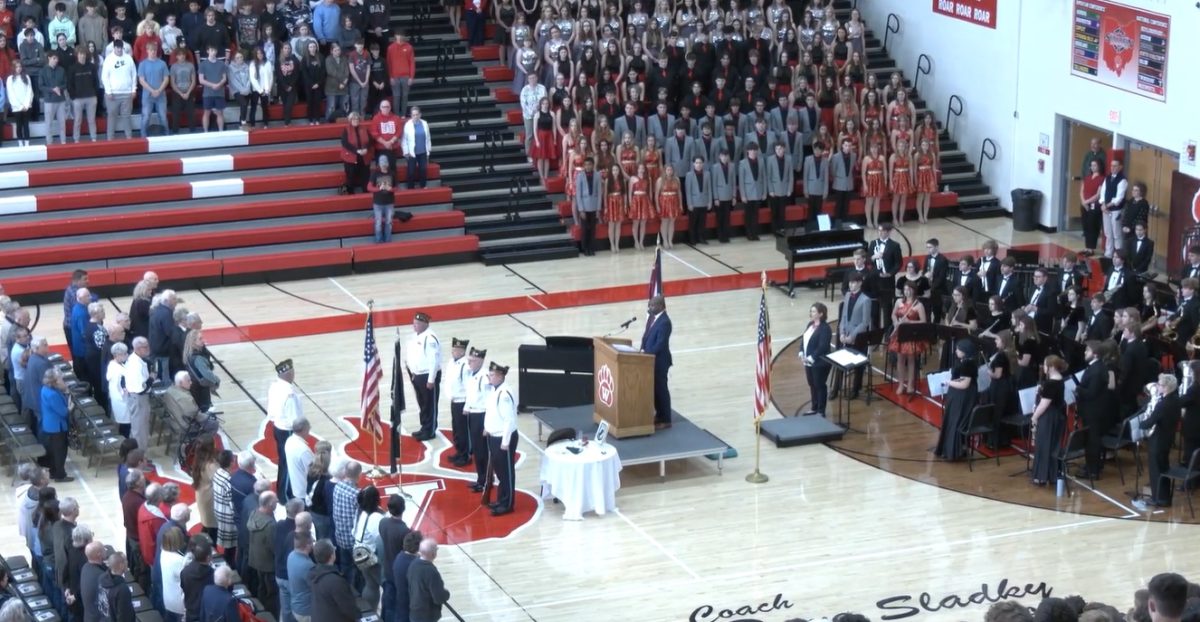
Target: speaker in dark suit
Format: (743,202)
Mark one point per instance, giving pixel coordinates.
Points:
(816,342)
(657,341)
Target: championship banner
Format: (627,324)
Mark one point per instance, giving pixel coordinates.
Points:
(1185,216)
(979,12)
(1121,46)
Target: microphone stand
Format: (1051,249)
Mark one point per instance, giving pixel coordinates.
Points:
(622,329)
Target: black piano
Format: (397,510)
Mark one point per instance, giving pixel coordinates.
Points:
(798,245)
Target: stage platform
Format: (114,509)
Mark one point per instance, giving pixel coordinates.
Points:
(802,430)
(683,439)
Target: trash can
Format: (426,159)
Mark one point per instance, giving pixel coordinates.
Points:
(1026,203)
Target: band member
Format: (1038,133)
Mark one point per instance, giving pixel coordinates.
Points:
(1007,288)
(1100,322)
(423,362)
(960,400)
(1049,421)
(863,270)
(937,269)
(888,259)
(500,426)
(989,270)
(1120,285)
(961,314)
(1160,426)
(815,345)
(1189,399)
(967,278)
(1069,276)
(1192,269)
(1187,317)
(1043,301)
(478,391)
(458,374)
(1141,249)
(1091,404)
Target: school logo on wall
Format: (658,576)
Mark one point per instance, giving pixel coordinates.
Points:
(1196,207)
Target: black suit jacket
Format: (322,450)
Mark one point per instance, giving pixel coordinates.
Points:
(1189,319)
(1164,419)
(1047,307)
(973,284)
(1190,402)
(1092,389)
(870,284)
(1125,292)
(892,256)
(819,345)
(938,268)
(1142,257)
(1010,293)
(989,271)
(1132,371)
(1189,272)
(1100,326)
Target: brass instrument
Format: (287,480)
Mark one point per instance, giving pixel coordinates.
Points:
(1170,331)
(1187,374)
(1136,433)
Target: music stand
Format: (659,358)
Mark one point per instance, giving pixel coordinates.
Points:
(845,361)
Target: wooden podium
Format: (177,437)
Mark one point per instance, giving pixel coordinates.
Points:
(624,388)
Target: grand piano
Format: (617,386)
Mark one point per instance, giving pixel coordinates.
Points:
(800,245)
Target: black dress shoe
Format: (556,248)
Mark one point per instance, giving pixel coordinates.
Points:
(501,511)
(833,395)
(854,394)
(476,487)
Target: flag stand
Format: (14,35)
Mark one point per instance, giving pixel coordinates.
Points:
(374,472)
(757,477)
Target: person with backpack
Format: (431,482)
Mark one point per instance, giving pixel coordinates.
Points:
(218,604)
(115,597)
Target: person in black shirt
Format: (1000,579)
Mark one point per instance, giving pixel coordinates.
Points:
(82,80)
(196,575)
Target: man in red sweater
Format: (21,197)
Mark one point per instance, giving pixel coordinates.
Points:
(402,67)
(385,129)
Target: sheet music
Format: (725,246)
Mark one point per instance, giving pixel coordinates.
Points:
(1028,399)
(823,222)
(938,382)
(847,358)
(620,347)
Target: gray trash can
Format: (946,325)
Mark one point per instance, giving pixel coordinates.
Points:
(1026,204)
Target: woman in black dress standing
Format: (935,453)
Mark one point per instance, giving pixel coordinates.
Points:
(912,274)
(1001,393)
(998,319)
(1049,421)
(1072,328)
(960,315)
(815,344)
(960,400)
(1029,349)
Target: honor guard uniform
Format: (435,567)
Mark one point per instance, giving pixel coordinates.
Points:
(458,373)
(478,390)
(283,408)
(423,362)
(500,425)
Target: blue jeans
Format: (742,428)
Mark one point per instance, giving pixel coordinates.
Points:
(389,601)
(333,105)
(323,525)
(383,222)
(417,165)
(285,600)
(346,567)
(150,105)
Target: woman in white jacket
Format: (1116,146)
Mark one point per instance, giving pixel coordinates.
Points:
(171,561)
(20,101)
(262,81)
(116,394)
(366,533)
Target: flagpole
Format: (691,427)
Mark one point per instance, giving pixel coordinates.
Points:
(758,477)
(374,472)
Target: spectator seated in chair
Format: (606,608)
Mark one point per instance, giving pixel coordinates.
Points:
(182,406)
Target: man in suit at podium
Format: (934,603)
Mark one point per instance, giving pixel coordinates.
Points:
(657,341)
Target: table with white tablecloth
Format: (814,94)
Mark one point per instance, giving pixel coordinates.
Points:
(586,481)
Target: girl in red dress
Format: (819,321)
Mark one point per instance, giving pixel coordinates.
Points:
(874,136)
(652,157)
(614,206)
(667,199)
(627,155)
(927,177)
(928,131)
(874,182)
(640,208)
(871,109)
(902,131)
(901,110)
(575,158)
(545,144)
(827,101)
(900,172)
(908,310)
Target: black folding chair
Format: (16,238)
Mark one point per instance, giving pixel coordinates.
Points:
(1120,438)
(981,421)
(1074,451)
(1185,475)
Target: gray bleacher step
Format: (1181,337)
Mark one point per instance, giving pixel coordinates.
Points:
(497,192)
(501,218)
(530,241)
(66,165)
(146,208)
(169,179)
(496,258)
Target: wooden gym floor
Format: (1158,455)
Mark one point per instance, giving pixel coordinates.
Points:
(867,524)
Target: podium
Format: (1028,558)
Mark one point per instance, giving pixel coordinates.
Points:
(624,387)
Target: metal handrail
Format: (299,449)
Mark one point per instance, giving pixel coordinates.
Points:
(983,153)
(952,112)
(891,18)
(924,66)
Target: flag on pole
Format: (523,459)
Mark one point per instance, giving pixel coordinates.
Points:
(656,274)
(372,377)
(762,371)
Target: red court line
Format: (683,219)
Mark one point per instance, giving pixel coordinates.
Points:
(524,304)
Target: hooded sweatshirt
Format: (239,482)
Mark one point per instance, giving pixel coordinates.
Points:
(115,599)
(332,600)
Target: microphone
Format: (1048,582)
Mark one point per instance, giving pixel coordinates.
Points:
(629,321)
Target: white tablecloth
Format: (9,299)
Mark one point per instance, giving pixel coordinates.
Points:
(584,482)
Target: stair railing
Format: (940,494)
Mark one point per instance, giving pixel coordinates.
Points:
(893,25)
(924,66)
(421,16)
(468,96)
(491,143)
(984,153)
(440,63)
(518,190)
(953,111)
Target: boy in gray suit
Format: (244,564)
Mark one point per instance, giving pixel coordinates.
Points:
(698,188)
(587,203)
(781,183)
(752,187)
(724,184)
(841,174)
(854,324)
(677,151)
(816,182)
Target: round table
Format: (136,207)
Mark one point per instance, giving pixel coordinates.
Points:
(586,481)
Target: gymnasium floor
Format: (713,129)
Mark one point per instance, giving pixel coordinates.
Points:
(828,533)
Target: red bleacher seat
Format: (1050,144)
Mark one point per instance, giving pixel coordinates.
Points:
(415,253)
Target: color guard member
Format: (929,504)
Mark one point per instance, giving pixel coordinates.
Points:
(500,426)
(423,362)
(458,374)
(478,390)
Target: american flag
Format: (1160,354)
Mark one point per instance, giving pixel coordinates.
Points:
(372,377)
(656,275)
(762,371)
